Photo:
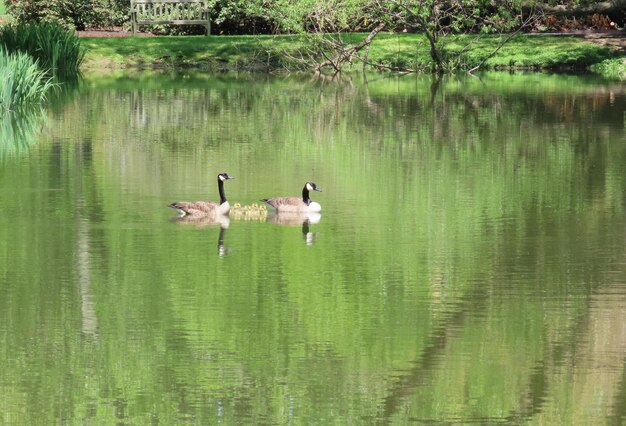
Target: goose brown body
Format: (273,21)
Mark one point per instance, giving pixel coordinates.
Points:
(296,204)
(206,208)
(198,208)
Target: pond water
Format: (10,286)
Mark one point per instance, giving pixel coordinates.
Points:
(469,263)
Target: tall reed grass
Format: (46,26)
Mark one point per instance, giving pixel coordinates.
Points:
(22,82)
(57,51)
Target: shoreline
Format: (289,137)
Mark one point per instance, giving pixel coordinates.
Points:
(266,53)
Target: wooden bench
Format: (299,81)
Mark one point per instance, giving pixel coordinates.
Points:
(170,12)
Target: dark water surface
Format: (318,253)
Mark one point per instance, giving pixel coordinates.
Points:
(469,264)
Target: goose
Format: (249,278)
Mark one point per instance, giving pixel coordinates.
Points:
(296,204)
(206,208)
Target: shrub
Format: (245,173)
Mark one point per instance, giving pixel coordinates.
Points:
(611,68)
(70,14)
(56,50)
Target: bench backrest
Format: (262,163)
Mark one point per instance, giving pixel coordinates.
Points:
(172,12)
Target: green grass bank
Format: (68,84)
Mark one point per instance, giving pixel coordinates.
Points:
(395,50)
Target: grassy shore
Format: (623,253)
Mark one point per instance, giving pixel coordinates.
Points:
(394,50)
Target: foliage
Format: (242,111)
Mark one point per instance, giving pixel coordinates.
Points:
(23,83)
(278,16)
(242,17)
(71,14)
(285,16)
(56,50)
(322,16)
(611,68)
(473,16)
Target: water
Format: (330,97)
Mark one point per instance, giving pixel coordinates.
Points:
(469,264)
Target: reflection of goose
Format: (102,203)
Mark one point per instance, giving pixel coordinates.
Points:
(207,220)
(296,204)
(221,219)
(206,208)
(295,218)
(221,248)
(304,219)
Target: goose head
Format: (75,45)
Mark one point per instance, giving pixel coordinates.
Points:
(310,186)
(224,176)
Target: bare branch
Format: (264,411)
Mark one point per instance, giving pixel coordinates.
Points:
(346,54)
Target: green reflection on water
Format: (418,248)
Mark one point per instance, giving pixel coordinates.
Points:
(18,131)
(471,230)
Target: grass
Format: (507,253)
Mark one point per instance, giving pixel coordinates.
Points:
(181,51)
(524,51)
(400,50)
(614,68)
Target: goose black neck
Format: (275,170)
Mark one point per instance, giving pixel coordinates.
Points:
(305,196)
(220,186)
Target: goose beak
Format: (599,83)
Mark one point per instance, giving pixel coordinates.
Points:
(318,189)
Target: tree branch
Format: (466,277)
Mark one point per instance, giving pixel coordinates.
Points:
(346,54)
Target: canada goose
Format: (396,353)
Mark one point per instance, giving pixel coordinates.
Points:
(295,204)
(206,208)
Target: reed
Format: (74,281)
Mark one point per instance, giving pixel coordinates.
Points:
(57,51)
(22,83)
